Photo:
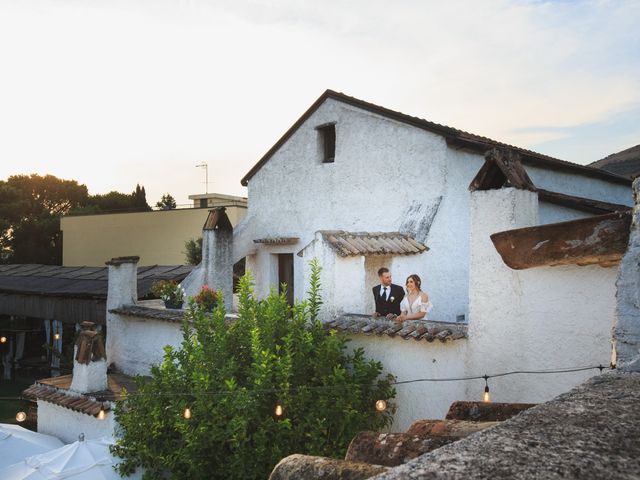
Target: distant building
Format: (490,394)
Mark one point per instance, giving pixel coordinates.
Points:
(625,163)
(212,200)
(157,237)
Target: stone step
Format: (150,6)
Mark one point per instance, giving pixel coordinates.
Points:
(454,428)
(392,449)
(296,467)
(485,411)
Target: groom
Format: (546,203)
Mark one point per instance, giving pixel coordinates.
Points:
(387,295)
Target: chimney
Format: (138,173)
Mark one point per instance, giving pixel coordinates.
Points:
(122,290)
(502,198)
(216,268)
(626,329)
(90,361)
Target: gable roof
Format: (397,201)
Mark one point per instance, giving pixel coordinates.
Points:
(502,168)
(626,162)
(455,138)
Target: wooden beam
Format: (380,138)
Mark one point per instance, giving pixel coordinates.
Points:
(580,203)
(502,168)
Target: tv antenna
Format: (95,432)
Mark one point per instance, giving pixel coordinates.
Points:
(206,175)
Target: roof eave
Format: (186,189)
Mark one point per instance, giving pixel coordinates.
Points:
(453,136)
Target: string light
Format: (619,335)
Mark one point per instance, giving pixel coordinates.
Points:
(3,339)
(486,397)
(279,410)
(341,387)
(101,413)
(56,336)
(187,413)
(21,417)
(381,405)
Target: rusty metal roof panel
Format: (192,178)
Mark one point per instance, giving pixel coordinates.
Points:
(595,240)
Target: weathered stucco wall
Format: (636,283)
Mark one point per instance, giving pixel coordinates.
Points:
(387,176)
(408,360)
(67,425)
(142,342)
(535,319)
(627,316)
(580,186)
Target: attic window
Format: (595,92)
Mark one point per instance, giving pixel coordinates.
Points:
(327,136)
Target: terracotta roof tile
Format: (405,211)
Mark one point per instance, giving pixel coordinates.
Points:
(56,391)
(415,329)
(372,243)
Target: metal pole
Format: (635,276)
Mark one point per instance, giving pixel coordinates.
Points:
(206,175)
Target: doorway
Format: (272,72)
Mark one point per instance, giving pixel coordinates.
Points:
(285,275)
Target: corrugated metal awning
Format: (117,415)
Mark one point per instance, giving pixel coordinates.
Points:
(69,294)
(372,243)
(53,280)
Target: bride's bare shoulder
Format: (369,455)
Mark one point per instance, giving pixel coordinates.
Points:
(424,297)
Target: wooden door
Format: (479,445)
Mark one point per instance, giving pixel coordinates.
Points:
(285,274)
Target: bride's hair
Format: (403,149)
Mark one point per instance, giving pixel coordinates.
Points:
(416,281)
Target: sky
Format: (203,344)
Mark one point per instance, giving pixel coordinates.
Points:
(113,93)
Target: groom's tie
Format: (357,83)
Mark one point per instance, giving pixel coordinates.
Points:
(384,293)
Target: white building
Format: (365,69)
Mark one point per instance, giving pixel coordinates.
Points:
(347,165)
(359,187)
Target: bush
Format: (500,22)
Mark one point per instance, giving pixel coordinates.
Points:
(207,298)
(168,290)
(232,376)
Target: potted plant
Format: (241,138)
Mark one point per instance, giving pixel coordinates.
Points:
(207,298)
(170,292)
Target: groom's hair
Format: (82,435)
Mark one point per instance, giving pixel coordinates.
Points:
(382,271)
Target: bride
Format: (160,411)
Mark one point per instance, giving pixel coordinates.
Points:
(415,305)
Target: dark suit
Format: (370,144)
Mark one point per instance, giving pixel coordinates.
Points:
(385,306)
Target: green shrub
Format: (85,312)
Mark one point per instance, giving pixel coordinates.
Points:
(232,375)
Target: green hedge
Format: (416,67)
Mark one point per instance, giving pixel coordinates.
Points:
(232,376)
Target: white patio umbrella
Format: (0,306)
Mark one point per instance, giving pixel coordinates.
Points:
(18,443)
(81,460)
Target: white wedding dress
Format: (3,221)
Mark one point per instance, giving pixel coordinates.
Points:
(417,306)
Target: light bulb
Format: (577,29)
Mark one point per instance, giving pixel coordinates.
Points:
(381,405)
(101,414)
(21,416)
(486,397)
(3,339)
(187,413)
(279,410)
(56,336)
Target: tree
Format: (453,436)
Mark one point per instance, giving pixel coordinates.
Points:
(30,210)
(193,251)
(232,376)
(115,202)
(139,198)
(167,202)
